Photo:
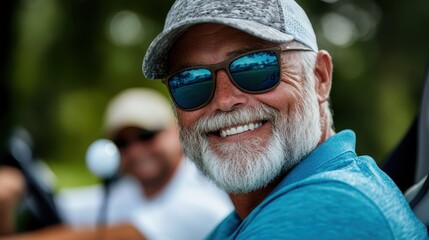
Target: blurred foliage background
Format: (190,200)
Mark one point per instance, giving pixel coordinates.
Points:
(63,60)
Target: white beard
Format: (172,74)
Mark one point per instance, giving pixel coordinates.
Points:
(252,164)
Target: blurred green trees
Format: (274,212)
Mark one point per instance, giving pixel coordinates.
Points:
(66,59)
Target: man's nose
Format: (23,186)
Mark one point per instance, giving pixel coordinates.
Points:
(227,96)
(135,147)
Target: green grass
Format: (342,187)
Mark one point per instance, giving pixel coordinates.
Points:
(72,174)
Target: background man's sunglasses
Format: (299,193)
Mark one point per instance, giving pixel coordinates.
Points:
(141,136)
(252,72)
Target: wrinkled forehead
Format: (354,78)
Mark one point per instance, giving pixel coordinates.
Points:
(210,41)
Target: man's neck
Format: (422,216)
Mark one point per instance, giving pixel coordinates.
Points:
(246,202)
(153,188)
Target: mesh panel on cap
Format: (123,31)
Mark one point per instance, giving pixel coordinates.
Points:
(297,23)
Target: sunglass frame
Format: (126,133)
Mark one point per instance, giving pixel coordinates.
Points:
(213,68)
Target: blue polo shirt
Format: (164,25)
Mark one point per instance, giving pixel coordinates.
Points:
(331,194)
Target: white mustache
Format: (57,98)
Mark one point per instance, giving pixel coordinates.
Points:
(241,116)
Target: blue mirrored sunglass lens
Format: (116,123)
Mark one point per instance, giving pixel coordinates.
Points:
(256,72)
(191,88)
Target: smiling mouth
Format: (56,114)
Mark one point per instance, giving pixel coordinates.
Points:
(239,129)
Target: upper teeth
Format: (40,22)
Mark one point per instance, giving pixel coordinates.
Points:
(239,129)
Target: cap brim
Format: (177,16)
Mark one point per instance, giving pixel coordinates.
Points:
(154,63)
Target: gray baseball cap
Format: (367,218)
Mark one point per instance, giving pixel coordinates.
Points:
(277,21)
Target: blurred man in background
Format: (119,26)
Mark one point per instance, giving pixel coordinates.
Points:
(160,194)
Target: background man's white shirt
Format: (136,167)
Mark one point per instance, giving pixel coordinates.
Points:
(188,208)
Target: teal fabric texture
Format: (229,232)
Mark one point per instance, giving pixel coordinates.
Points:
(331,194)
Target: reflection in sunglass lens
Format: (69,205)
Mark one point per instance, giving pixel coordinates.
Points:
(191,88)
(256,72)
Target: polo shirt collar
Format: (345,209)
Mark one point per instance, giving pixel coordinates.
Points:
(342,142)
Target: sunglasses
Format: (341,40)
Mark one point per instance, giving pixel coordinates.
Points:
(252,72)
(141,136)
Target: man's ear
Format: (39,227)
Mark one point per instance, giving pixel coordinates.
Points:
(323,76)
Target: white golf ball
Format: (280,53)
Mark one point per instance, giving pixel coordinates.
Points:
(103,158)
